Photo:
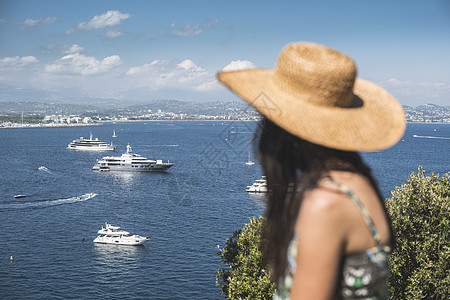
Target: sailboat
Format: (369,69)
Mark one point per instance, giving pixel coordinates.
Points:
(249,162)
(114,133)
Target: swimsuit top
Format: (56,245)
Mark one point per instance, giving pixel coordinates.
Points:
(362,275)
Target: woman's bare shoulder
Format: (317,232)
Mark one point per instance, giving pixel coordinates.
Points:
(323,200)
(323,206)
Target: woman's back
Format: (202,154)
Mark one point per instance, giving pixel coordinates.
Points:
(358,235)
(336,240)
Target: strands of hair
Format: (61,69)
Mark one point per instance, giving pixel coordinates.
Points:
(293,166)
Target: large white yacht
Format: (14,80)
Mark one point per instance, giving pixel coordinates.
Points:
(130,162)
(90,144)
(115,235)
(258,186)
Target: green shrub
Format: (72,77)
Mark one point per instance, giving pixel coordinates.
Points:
(420,263)
(244,276)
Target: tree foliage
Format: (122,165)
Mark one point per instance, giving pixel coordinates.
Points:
(420,214)
(419,264)
(17,118)
(245,276)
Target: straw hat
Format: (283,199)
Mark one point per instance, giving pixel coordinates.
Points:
(313,93)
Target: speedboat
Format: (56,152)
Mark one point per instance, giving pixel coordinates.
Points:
(115,235)
(258,186)
(130,162)
(90,144)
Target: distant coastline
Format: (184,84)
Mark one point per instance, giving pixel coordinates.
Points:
(47,115)
(51,125)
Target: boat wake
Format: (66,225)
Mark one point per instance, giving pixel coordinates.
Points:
(160,145)
(47,203)
(431,137)
(45,169)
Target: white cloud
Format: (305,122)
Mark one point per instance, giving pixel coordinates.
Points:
(161,74)
(79,64)
(442,86)
(113,34)
(32,23)
(16,62)
(239,65)
(191,67)
(190,30)
(396,82)
(17,71)
(69,31)
(75,48)
(415,93)
(110,18)
(187,30)
(208,86)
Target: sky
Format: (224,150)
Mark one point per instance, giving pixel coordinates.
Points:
(136,51)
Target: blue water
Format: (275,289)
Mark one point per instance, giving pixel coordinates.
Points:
(187,211)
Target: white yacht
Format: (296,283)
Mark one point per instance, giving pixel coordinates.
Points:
(130,162)
(90,144)
(115,235)
(258,186)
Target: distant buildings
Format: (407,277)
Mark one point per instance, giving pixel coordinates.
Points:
(429,113)
(168,110)
(52,121)
(62,119)
(159,115)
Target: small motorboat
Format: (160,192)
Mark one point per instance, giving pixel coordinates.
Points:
(20,196)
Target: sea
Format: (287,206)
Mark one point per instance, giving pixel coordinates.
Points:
(46,238)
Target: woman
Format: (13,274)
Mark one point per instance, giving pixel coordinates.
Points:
(328,232)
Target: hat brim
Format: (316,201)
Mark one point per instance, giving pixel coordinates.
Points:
(377,123)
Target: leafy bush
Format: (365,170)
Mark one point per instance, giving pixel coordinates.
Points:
(420,263)
(245,276)
(420,214)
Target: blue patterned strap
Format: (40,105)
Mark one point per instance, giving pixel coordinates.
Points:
(379,255)
(362,208)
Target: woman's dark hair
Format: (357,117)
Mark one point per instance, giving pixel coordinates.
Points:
(293,164)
